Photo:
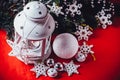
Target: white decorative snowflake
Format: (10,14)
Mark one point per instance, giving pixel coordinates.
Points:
(74,8)
(55,9)
(104,19)
(83,32)
(71,68)
(15,48)
(39,69)
(85,49)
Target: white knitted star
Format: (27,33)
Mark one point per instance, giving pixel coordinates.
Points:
(83,32)
(71,68)
(85,49)
(15,48)
(39,69)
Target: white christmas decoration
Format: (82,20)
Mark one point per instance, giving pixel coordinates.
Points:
(92,2)
(35,11)
(74,9)
(99,2)
(50,62)
(83,32)
(15,48)
(55,9)
(80,57)
(33,29)
(58,66)
(104,7)
(39,69)
(85,49)
(110,9)
(52,72)
(34,26)
(65,46)
(104,19)
(48,1)
(71,68)
(56,24)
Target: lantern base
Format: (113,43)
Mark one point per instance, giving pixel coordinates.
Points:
(32,60)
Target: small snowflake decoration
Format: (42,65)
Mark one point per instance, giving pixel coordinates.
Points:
(39,69)
(83,32)
(55,9)
(15,48)
(74,8)
(104,19)
(71,68)
(85,49)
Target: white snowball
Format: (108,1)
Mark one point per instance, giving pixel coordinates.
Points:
(52,72)
(65,46)
(80,57)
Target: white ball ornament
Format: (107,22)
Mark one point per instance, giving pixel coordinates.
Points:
(65,46)
(52,72)
(80,57)
(58,66)
(50,62)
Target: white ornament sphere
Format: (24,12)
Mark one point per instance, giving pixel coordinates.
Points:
(80,57)
(52,72)
(65,46)
(58,66)
(50,62)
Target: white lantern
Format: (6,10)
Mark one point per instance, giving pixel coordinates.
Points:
(36,11)
(32,33)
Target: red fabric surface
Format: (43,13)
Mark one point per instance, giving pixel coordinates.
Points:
(106,67)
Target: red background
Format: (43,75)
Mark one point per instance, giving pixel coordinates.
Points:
(106,67)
